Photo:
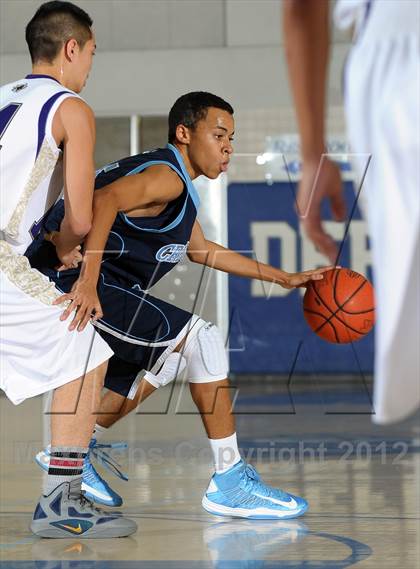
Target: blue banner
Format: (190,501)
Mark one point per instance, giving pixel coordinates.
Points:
(268,331)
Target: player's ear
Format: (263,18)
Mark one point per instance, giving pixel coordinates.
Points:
(70,49)
(183,134)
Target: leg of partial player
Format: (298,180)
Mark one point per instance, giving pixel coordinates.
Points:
(62,509)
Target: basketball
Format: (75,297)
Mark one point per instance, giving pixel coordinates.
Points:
(340,307)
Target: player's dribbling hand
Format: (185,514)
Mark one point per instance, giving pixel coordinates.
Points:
(320,179)
(296,280)
(84,302)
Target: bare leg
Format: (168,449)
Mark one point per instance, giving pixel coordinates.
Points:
(74,408)
(212,400)
(215,406)
(114,406)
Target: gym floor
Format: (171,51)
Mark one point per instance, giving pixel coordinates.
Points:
(316,440)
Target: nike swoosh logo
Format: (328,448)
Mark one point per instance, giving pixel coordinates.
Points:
(291,504)
(77,547)
(72,528)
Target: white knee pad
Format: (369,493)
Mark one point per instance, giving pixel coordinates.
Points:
(173,366)
(205,354)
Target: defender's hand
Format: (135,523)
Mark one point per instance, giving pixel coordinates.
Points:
(69,259)
(84,302)
(296,280)
(320,179)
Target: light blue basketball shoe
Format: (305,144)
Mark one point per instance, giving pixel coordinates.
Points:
(248,544)
(93,485)
(240,493)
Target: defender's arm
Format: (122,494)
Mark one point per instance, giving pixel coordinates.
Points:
(74,126)
(307,44)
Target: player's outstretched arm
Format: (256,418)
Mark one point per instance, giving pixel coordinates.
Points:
(213,255)
(74,126)
(306,34)
(155,186)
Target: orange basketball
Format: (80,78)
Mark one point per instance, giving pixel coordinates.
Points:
(340,308)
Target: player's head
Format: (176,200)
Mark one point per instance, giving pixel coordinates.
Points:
(60,35)
(202,125)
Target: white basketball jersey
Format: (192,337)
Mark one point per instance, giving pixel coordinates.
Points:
(31,177)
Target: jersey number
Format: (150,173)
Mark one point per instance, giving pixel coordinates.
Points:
(6,116)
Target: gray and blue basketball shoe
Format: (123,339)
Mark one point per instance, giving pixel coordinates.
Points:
(66,512)
(239,492)
(94,486)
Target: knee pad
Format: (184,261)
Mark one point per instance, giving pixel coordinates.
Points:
(173,366)
(205,354)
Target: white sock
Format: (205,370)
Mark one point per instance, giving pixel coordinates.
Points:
(225,453)
(99,432)
(66,465)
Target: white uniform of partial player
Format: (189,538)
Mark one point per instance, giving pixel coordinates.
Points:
(382,96)
(37,351)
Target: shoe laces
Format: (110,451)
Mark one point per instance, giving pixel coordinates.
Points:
(250,477)
(254,483)
(78,495)
(103,457)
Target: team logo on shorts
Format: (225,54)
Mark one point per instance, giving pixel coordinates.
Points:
(171,253)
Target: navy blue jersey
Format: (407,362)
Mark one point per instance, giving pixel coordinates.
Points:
(141,250)
(146,248)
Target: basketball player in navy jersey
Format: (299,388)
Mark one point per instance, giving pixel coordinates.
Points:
(145,209)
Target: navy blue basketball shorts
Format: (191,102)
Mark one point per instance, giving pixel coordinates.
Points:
(141,330)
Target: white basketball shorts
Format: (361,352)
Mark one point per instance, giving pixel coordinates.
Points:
(37,351)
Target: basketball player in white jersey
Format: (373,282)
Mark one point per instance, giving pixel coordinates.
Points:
(47,139)
(382,94)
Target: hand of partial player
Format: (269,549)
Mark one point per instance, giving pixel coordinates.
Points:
(320,179)
(69,259)
(295,280)
(84,302)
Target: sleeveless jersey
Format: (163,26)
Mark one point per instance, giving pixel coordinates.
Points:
(141,250)
(30,163)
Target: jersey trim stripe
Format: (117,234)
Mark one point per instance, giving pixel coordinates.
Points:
(190,186)
(42,121)
(181,214)
(35,76)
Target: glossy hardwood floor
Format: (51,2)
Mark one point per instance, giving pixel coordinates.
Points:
(361,480)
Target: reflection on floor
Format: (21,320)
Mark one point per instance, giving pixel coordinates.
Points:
(361,481)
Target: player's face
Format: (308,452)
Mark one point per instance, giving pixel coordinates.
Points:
(210,145)
(83,63)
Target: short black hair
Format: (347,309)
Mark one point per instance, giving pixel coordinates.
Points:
(53,24)
(192,108)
